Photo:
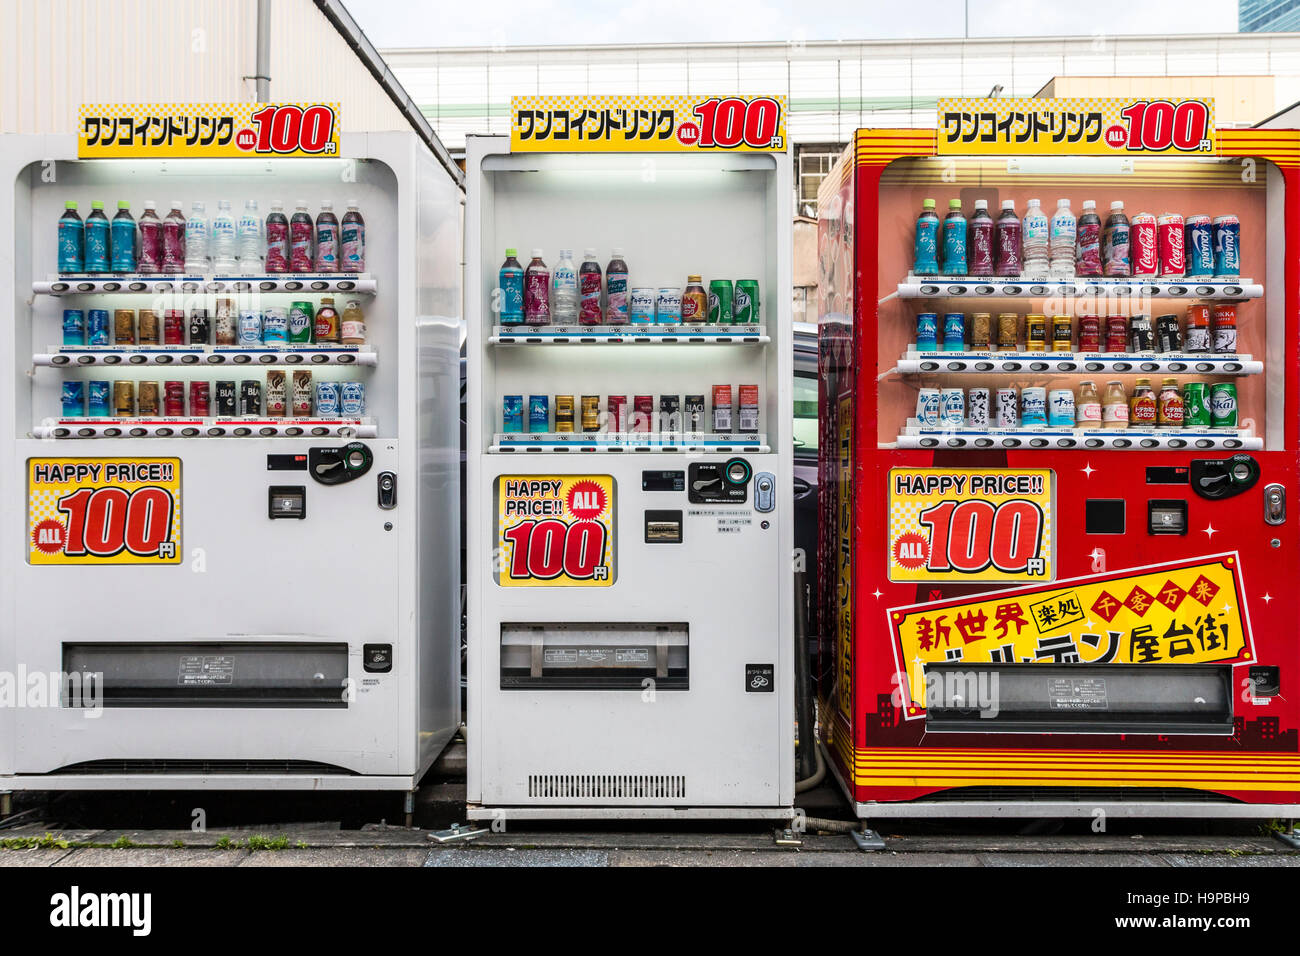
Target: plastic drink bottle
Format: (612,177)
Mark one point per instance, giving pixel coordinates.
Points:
(590,278)
(249,237)
(301,232)
(979,246)
(1116,260)
(72,239)
(196,239)
(511,283)
(954,240)
(122,236)
(277,239)
(173,233)
(353,242)
(564,283)
(1034,242)
(327,238)
(1061,242)
(148,258)
(925,259)
(223,238)
(537,291)
(96,239)
(1087,241)
(616,290)
(1010,261)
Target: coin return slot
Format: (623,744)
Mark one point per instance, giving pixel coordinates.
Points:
(1166,517)
(663,527)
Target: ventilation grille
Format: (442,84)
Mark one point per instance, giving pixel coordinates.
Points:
(607,786)
(213,767)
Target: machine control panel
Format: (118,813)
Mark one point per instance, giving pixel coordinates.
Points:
(710,482)
(334,466)
(1215,479)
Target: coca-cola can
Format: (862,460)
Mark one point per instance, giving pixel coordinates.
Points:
(1143,246)
(1172,245)
(200,399)
(173,399)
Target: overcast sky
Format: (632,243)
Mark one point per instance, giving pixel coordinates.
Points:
(420,23)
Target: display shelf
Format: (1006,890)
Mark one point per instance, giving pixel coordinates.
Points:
(968,287)
(361,282)
(628,442)
(915,362)
(71,356)
(1133,439)
(623,334)
(63,428)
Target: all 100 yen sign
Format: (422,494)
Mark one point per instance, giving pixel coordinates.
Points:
(104,510)
(555,530)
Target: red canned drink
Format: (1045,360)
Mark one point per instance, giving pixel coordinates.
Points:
(200,399)
(617,413)
(1143,245)
(1116,333)
(1172,245)
(174,399)
(643,413)
(1089,333)
(174,327)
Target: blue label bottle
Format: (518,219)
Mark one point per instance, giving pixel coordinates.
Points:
(122,234)
(72,240)
(97,239)
(954,240)
(925,259)
(511,281)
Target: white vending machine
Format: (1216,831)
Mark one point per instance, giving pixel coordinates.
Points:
(629,512)
(228,514)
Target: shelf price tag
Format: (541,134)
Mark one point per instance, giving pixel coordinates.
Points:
(104,511)
(1085,126)
(623,124)
(555,531)
(208,130)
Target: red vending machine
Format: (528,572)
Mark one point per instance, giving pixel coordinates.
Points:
(1058,357)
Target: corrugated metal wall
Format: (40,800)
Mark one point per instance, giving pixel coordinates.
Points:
(57,54)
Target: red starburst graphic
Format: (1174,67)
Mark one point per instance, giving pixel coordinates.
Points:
(688,134)
(911,551)
(49,536)
(245,139)
(586,501)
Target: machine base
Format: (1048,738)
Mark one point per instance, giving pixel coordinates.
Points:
(918,809)
(474,812)
(207,782)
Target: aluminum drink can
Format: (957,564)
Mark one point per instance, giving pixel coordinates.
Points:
(617,407)
(1227,247)
(1143,246)
(302,392)
(591,411)
(1197,338)
(512,412)
(173,399)
(1199,241)
(928,405)
(74,327)
(1169,404)
(124,326)
(275,324)
(250,398)
(1008,331)
(147,400)
(173,327)
(1141,337)
(954,331)
(981,331)
(643,413)
(1035,333)
(148,333)
(927,332)
(952,407)
(1060,408)
(722,294)
(1169,336)
(201,399)
(695,301)
(539,413)
(1225,329)
(563,410)
(1062,333)
(97,327)
(747,310)
(225,325)
(1116,333)
(722,408)
(668,306)
(747,409)
(670,413)
(977,408)
(74,399)
(327,404)
(250,327)
(1171,241)
(200,327)
(276,393)
(1033,406)
(1089,333)
(693,411)
(1006,408)
(352,401)
(1196,404)
(641,306)
(1223,405)
(227,399)
(300,322)
(97,399)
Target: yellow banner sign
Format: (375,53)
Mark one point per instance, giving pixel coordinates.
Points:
(1184,612)
(104,510)
(970,524)
(555,530)
(678,124)
(844,591)
(212,130)
(1077,126)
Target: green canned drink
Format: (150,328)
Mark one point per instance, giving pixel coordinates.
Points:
(1223,405)
(721,293)
(746,310)
(302,322)
(1196,404)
